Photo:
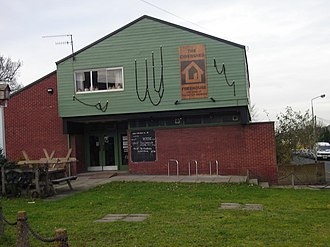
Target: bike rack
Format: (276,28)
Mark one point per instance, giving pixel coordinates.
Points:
(168,166)
(196,165)
(217,167)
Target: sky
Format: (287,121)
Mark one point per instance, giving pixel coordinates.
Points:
(287,42)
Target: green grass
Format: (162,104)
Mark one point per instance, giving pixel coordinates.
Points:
(180,215)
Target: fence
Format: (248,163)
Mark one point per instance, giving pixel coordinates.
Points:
(309,174)
(23,229)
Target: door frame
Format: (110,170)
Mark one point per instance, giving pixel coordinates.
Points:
(116,133)
(102,166)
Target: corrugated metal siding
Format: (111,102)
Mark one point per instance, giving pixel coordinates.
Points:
(137,42)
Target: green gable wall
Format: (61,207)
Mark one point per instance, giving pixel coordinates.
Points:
(137,41)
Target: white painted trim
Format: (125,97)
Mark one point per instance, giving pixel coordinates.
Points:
(90,74)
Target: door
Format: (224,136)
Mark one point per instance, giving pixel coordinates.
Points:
(109,150)
(124,151)
(102,152)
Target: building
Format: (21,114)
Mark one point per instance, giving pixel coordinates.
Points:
(150,92)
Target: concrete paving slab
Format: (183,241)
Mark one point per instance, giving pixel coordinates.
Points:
(237,179)
(136,217)
(130,178)
(222,179)
(264,184)
(257,207)
(188,179)
(206,179)
(140,178)
(230,205)
(112,218)
(238,206)
(253,181)
(165,179)
(123,217)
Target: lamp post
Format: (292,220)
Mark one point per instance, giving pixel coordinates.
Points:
(314,122)
(320,96)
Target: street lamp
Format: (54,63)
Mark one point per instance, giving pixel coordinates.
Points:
(314,122)
(320,96)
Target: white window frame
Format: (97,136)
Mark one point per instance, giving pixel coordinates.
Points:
(91,90)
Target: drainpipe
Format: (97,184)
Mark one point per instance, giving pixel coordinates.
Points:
(69,146)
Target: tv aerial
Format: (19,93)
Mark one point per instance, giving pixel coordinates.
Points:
(67,42)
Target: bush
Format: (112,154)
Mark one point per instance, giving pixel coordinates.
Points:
(294,131)
(3,159)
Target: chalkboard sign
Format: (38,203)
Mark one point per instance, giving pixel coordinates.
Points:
(143,145)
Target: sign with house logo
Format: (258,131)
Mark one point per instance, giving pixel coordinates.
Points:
(193,72)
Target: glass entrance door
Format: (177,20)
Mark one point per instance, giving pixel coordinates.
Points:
(94,151)
(102,152)
(109,150)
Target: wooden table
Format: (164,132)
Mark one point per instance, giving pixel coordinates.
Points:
(49,166)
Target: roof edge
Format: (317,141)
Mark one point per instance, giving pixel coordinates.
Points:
(101,39)
(32,84)
(154,19)
(195,31)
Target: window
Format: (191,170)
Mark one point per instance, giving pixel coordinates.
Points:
(110,79)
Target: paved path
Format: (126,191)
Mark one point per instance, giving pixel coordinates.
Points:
(87,181)
(90,180)
(181,179)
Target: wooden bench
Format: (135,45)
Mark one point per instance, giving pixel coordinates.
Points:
(49,171)
(64,179)
(57,168)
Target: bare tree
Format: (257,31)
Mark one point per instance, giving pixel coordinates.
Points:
(9,72)
(254,112)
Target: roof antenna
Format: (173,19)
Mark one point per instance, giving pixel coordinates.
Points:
(62,42)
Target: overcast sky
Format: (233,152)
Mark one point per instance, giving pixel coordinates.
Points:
(288,42)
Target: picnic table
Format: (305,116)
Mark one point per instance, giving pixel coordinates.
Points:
(48,171)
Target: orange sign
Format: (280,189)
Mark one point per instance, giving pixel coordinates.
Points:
(193,72)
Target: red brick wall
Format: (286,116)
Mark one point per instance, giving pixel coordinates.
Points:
(32,121)
(77,141)
(236,147)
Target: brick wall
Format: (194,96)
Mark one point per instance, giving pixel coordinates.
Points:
(77,143)
(32,121)
(237,148)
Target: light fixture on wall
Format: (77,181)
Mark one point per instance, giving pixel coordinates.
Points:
(50,91)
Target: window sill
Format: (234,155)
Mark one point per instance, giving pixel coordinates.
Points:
(100,91)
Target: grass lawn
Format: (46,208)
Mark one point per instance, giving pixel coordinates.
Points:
(180,215)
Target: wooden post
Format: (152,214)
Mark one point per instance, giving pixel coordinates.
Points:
(292,180)
(37,181)
(1,222)
(22,238)
(61,237)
